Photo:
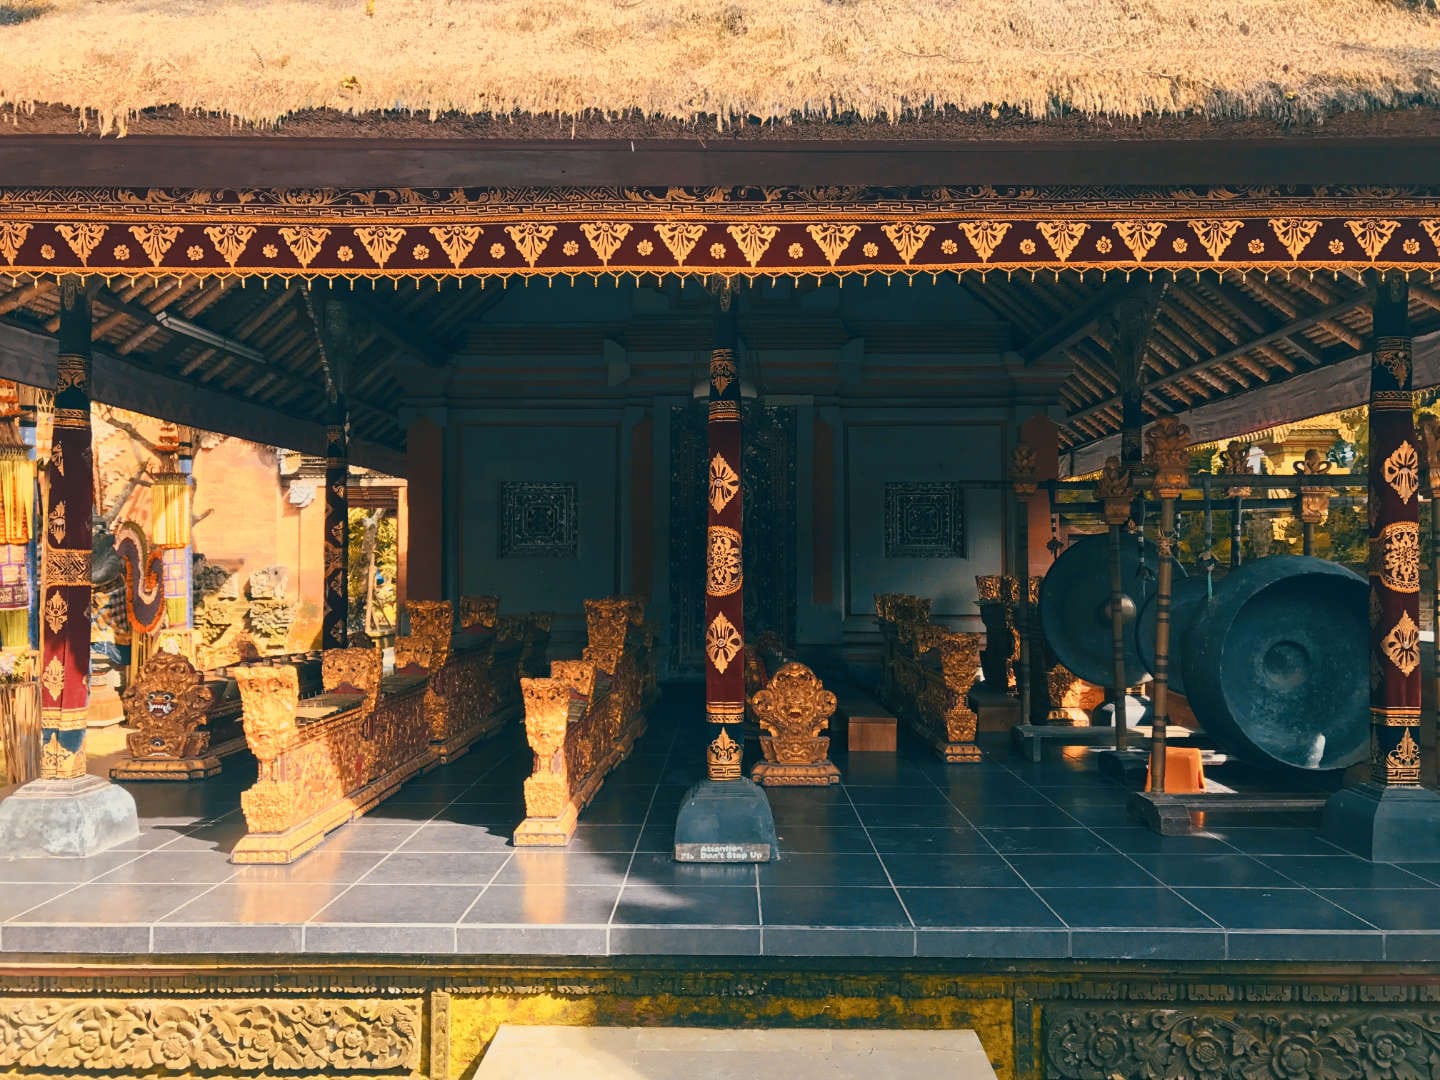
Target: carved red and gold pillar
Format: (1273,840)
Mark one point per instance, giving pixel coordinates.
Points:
(1392,818)
(64,669)
(335,615)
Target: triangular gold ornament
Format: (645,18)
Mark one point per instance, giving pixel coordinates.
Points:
(1215,236)
(832,239)
(457,240)
(304,242)
(753,239)
(530,239)
(82,238)
(230,240)
(605,238)
(380,241)
(908,238)
(1139,236)
(984,236)
(156,240)
(12,235)
(1294,233)
(1372,234)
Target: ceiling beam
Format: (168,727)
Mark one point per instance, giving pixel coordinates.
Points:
(1050,344)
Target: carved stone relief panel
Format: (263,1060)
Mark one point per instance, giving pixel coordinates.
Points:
(924,520)
(538,519)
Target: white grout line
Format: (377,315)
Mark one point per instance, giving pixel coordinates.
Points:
(914,930)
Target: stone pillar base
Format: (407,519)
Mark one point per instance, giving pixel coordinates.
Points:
(66,817)
(725,821)
(1385,824)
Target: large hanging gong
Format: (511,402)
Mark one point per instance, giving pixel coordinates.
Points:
(1075,606)
(1187,600)
(1277,665)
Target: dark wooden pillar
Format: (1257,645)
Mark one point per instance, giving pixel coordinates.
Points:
(65,565)
(724,594)
(335,616)
(1391,817)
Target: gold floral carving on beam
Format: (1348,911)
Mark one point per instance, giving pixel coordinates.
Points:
(604,238)
(1432,230)
(57,610)
(753,239)
(1062,236)
(227,1037)
(984,236)
(456,240)
(83,238)
(1402,644)
(230,239)
(1215,236)
(1393,354)
(304,242)
(53,678)
(832,239)
(531,239)
(908,237)
(155,240)
(1372,234)
(1402,765)
(1294,234)
(12,236)
(379,241)
(722,642)
(722,757)
(723,571)
(722,369)
(1401,471)
(680,237)
(724,483)
(1139,236)
(1399,557)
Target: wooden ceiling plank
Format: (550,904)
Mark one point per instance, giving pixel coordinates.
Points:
(1053,342)
(22,296)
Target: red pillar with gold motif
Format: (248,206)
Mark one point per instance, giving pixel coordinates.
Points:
(1391,817)
(335,614)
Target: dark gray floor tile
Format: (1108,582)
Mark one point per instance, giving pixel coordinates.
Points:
(368,835)
(684,941)
(1390,909)
(604,837)
(1148,944)
(887,816)
(917,841)
(379,940)
(207,940)
(450,838)
(148,839)
(1413,947)
(973,908)
(420,868)
(1017,817)
(542,867)
(1215,869)
(820,870)
(531,940)
(1271,909)
(697,905)
(989,871)
(167,867)
(1125,908)
(113,904)
(1069,870)
(495,819)
(257,903)
(62,870)
(821,816)
(15,899)
(658,836)
(661,868)
(1303,945)
(835,906)
(366,903)
(813,838)
(838,941)
(1137,838)
(322,864)
(1346,872)
(895,796)
(998,943)
(544,905)
(1044,841)
(1270,841)
(221,837)
(73,938)
(1429,871)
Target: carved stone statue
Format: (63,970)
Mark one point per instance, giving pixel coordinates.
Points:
(794,709)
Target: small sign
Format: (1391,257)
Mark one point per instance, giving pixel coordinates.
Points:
(722,853)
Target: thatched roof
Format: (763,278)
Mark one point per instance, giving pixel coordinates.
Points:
(714,61)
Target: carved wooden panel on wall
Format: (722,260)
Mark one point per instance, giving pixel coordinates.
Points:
(538,519)
(924,520)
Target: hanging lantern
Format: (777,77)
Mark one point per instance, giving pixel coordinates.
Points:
(17,471)
(169,494)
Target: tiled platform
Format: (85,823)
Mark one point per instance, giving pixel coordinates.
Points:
(909,857)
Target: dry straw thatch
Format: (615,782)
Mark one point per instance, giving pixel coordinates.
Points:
(258,61)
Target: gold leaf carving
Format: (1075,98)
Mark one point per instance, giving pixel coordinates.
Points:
(57,610)
(753,239)
(57,522)
(230,240)
(1215,236)
(723,570)
(722,642)
(531,239)
(722,369)
(12,235)
(304,241)
(1402,644)
(604,238)
(1372,234)
(984,236)
(1402,765)
(1402,471)
(380,241)
(1139,236)
(680,237)
(82,238)
(155,239)
(1399,557)
(724,483)
(832,239)
(1432,230)
(1294,233)
(53,678)
(1393,354)
(908,237)
(1062,236)
(457,240)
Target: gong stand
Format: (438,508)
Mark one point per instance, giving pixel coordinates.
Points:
(1116,496)
(1311,503)
(1168,445)
(1022,477)
(1237,463)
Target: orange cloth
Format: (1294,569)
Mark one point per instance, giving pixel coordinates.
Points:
(1184,772)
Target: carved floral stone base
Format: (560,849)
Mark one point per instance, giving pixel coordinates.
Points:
(197,768)
(777,774)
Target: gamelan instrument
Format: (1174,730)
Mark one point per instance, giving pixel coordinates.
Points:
(1075,606)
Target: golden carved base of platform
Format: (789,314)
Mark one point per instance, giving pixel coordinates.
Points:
(158,768)
(774,774)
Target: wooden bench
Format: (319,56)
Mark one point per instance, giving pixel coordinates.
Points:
(327,759)
(927,675)
(186,722)
(870,726)
(584,718)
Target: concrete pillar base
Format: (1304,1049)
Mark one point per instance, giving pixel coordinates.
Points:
(1385,824)
(67,818)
